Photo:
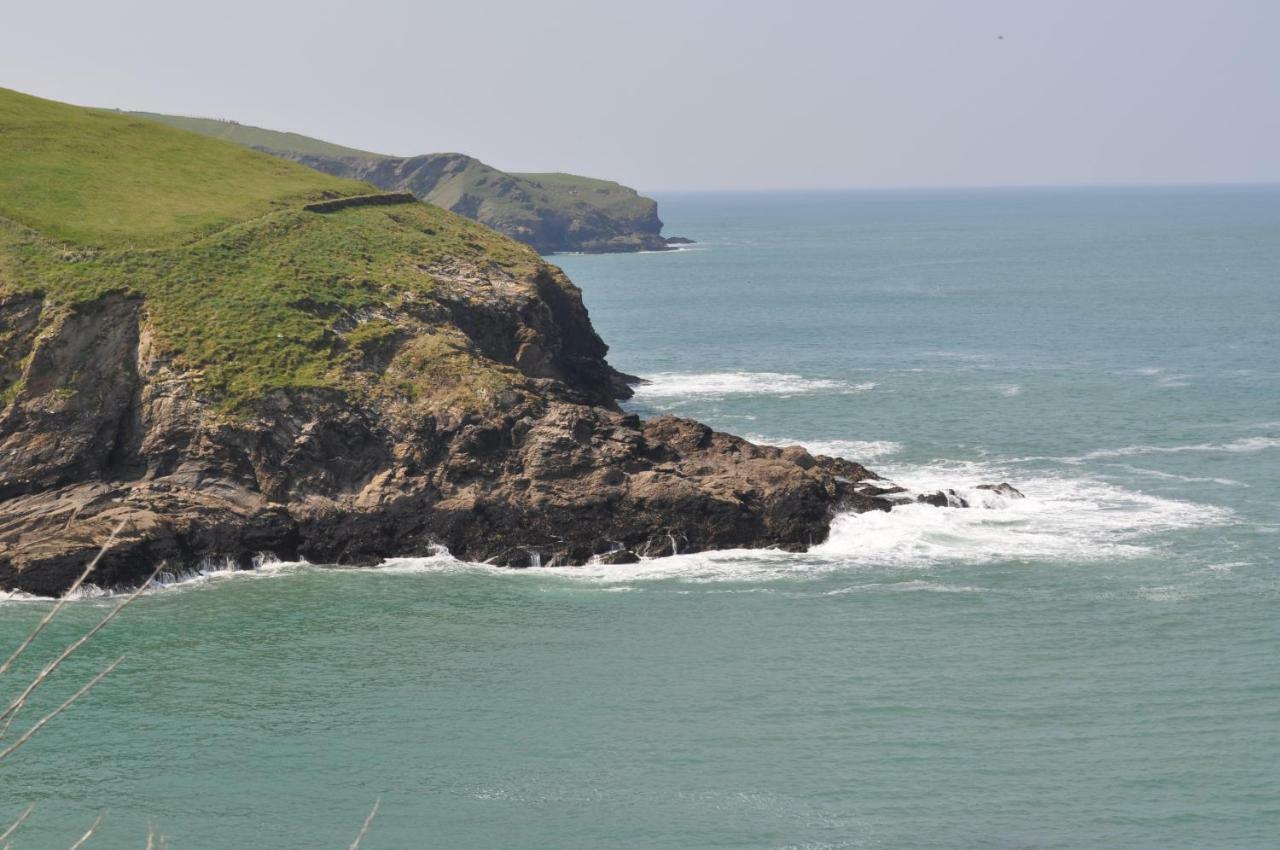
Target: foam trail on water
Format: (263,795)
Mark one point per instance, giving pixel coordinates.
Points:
(667,385)
(857,450)
(1240,446)
(1170,476)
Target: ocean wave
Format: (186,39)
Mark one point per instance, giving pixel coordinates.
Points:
(905,587)
(1167,593)
(206,573)
(667,385)
(1069,519)
(1170,476)
(1242,445)
(856,450)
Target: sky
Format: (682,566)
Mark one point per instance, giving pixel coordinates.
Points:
(704,94)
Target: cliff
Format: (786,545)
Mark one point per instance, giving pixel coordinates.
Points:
(221,362)
(551,212)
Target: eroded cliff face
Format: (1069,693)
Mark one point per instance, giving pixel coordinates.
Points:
(586,216)
(482,419)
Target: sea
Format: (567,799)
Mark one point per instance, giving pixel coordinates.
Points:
(1094,666)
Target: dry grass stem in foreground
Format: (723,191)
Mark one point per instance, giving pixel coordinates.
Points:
(355,845)
(92,829)
(155,841)
(88,686)
(21,818)
(53,612)
(12,711)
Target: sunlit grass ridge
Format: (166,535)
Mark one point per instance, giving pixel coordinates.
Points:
(239,283)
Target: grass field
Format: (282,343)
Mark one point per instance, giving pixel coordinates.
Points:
(517,204)
(567,191)
(240,284)
(98,178)
(257,137)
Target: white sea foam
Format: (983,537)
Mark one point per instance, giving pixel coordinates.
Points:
(1066,519)
(1227,566)
(1062,518)
(719,384)
(208,572)
(857,450)
(1170,476)
(903,587)
(1008,390)
(1242,445)
(1167,593)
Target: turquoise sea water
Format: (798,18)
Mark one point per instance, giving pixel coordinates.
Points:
(1095,666)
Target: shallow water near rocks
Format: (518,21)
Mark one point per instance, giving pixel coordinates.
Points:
(1095,665)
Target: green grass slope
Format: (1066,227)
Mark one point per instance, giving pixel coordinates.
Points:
(257,137)
(567,192)
(241,285)
(97,178)
(552,212)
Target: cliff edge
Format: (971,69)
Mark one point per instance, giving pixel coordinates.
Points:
(553,213)
(246,357)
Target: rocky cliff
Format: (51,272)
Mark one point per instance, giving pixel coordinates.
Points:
(481,418)
(236,366)
(551,212)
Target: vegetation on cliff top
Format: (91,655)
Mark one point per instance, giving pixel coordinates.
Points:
(241,285)
(97,178)
(257,137)
(552,211)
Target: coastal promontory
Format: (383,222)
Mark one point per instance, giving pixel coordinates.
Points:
(553,212)
(218,355)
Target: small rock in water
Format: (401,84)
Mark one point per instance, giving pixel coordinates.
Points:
(943,499)
(1003,489)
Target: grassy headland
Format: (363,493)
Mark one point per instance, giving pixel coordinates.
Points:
(551,212)
(240,284)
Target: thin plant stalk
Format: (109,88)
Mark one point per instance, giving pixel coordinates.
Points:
(21,819)
(53,612)
(12,711)
(355,845)
(84,839)
(88,686)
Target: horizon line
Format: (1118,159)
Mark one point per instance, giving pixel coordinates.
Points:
(970,187)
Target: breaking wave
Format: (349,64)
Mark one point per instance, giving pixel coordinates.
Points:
(1062,519)
(1240,446)
(1065,517)
(1068,519)
(857,450)
(666,385)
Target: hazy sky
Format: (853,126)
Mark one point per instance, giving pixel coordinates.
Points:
(709,94)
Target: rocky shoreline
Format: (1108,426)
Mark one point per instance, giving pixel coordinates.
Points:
(245,358)
(553,471)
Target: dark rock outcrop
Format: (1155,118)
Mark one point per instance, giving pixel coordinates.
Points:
(943,499)
(1004,488)
(99,432)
